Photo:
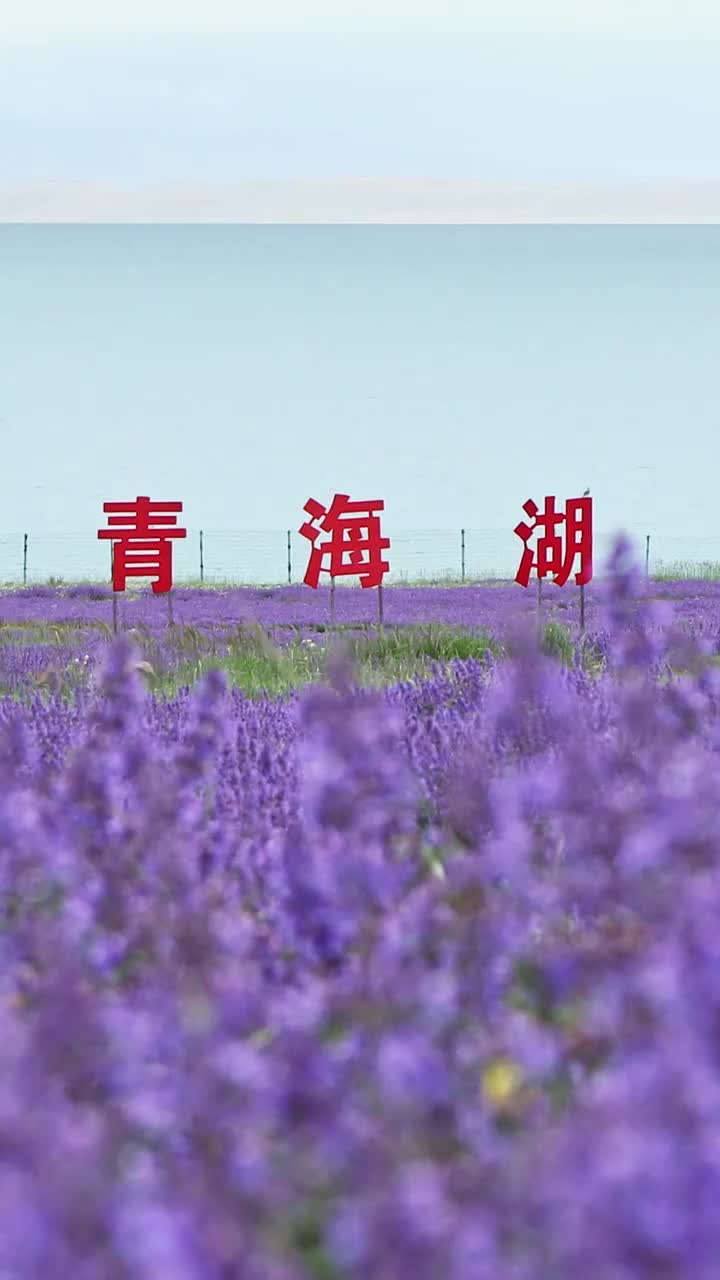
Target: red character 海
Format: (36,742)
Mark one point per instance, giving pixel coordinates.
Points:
(355,545)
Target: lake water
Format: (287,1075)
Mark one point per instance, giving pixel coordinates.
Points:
(452,371)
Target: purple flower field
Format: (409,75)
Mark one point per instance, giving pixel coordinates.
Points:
(361,984)
(487,606)
(278,607)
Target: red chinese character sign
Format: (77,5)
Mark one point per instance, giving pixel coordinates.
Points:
(141,534)
(354,546)
(562,539)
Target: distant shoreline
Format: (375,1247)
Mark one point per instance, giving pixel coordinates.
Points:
(363,200)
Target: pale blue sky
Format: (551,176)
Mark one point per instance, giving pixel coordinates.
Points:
(601,93)
(466,368)
(57,19)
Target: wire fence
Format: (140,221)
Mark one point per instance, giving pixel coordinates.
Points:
(270,558)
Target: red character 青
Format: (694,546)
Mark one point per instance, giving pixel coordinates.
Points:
(142,546)
(355,546)
(557,547)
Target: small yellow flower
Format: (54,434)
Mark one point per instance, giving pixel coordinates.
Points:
(501,1081)
(262,1037)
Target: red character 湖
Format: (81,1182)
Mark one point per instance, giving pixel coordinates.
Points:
(563,538)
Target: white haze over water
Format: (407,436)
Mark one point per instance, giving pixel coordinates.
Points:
(452,370)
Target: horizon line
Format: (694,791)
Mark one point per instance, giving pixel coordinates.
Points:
(362,200)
